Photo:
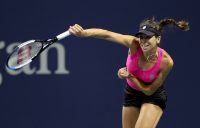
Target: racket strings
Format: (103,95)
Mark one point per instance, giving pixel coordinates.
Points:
(24,54)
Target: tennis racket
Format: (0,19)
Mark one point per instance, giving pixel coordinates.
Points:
(27,51)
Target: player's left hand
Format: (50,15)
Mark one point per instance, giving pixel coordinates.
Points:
(123,73)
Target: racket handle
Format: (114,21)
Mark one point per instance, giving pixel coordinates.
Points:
(63,35)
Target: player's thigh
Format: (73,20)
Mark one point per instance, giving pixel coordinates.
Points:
(149,116)
(129,116)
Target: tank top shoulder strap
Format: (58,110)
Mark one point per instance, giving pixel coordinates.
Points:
(160,50)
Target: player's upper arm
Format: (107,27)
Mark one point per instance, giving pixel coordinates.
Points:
(165,69)
(126,40)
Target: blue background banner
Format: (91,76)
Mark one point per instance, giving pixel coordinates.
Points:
(74,84)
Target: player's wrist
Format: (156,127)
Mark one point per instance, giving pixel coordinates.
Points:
(88,33)
(130,76)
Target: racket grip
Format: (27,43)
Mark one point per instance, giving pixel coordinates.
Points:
(63,35)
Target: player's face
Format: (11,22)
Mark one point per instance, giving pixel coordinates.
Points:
(148,42)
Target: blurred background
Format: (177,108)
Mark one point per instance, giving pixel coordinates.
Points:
(74,84)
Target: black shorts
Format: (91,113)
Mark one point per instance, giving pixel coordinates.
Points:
(136,98)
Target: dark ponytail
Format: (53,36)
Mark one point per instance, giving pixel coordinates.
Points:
(183,25)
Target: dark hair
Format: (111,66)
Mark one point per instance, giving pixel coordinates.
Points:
(159,25)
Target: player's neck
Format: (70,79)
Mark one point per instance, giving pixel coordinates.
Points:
(151,55)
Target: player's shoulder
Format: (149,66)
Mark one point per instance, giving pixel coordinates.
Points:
(167,61)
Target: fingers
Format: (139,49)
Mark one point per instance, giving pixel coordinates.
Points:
(122,70)
(71,30)
(75,29)
(119,74)
(123,73)
(78,26)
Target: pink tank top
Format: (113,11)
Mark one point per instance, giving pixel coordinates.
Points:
(145,75)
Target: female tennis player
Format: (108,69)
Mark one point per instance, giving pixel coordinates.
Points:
(147,67)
